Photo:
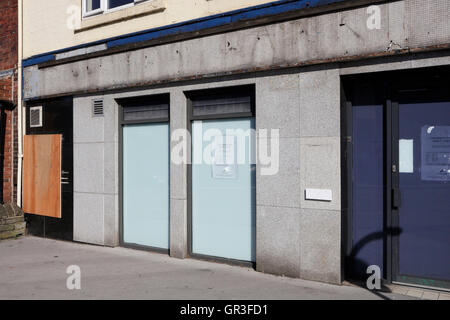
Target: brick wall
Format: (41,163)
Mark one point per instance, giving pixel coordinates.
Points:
(8,91)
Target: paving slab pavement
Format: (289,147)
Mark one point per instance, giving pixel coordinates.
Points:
(35,268)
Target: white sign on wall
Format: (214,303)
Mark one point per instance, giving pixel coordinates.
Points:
(319,194)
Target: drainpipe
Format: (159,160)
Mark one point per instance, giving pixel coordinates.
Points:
(20,120)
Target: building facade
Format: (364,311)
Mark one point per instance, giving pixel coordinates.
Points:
(8,100)
(342,108)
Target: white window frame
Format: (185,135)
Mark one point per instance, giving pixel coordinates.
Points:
(93,12)
(104,7)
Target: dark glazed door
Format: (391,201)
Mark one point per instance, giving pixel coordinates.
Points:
(421,192)
(397,151)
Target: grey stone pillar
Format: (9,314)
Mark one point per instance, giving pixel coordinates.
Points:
(278,195)
(178,180)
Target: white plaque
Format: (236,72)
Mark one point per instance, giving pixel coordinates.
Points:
(319,194)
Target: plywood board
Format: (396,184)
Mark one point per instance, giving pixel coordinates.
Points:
(42,175)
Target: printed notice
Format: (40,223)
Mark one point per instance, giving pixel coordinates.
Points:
(406,155)
(224,162)
(435,153)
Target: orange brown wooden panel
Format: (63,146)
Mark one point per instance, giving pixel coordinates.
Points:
(42,175)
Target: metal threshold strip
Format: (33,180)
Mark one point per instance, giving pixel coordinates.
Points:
(420,286)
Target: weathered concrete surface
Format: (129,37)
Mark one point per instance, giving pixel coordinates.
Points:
(96,187)
(34,268)
(404,25)
(178,178)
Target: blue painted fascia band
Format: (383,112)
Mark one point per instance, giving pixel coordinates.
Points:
(264,10)
(37,59)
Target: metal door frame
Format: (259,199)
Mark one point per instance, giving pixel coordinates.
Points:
(396,277)
(122,102)
(391,80)
(250,89)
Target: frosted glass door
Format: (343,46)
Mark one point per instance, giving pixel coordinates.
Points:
(223,196)
(146,185)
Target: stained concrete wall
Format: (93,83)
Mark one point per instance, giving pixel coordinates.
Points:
(53,25)
(95,173)
(296,237)
(404,24)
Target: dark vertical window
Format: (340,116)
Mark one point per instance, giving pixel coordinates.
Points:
(117,3)
(92,5)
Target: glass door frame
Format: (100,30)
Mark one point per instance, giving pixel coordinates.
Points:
(395,87)
(122,103)
(250,89)
(396,198)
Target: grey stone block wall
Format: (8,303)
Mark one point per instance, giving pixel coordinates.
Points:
(278,195)
(178,180)
(298,237)
(320,158)
(320,245)
(278,240)
(96,173)
(320,102)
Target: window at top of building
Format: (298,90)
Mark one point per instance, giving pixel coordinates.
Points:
(94,7)
(118,3)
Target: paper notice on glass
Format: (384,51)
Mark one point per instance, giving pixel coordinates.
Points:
(406,156)
(435,153)
(224,161)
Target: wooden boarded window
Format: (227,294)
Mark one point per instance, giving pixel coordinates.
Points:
(42,175)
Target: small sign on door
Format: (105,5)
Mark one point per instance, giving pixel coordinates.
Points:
(435,153)
(406,156)
(224,161)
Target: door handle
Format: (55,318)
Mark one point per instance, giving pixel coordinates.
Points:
(396,198)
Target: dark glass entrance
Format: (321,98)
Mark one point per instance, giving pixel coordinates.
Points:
(423,183)
(397,153)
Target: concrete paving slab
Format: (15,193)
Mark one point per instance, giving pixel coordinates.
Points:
(444,296)
(35,268)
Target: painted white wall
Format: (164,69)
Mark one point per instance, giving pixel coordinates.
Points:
(48,25)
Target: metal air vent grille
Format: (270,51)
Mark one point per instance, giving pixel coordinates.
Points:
(97,108)
(36,117)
